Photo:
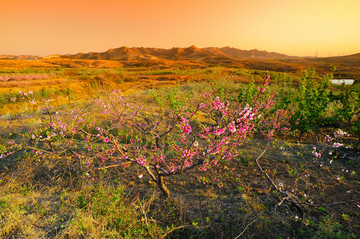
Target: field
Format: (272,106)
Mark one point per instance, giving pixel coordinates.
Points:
(178,149)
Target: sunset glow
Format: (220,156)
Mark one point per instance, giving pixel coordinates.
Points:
(301,28)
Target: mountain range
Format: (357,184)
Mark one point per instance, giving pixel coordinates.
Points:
(226,56)
(125,53)
(209,54)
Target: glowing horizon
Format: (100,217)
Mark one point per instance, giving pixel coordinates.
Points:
(296,28)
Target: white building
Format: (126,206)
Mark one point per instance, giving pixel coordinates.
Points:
(342,81)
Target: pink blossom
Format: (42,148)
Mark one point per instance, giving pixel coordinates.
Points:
(216,104)
(219,131)
(261,89)
(228,156)
(201,105)
(340,133)
(337,145)
(188,154)
(185,127)
(141,161)
(203,168)
(172,169)
(328,138)
(187,163)
(316,154)
(232,127)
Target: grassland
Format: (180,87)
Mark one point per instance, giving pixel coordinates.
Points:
(49,195)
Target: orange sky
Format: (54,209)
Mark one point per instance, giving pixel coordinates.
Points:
(293,27)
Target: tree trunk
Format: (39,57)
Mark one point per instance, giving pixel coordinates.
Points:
(159,180)
(162,186)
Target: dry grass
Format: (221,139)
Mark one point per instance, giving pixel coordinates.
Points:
(52,200)
(79,63)
(24,64)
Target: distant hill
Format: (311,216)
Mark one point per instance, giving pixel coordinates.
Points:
(346,57)
(350,63)
(125,53)
(253,54)
(21,57)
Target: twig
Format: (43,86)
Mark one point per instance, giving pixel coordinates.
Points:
(268,177)
(302,172)
(25,126)
(173,229)
(328,204)
(113,166)
(48,152)
(184,170)
(11,153)
(245,229)
(287,197)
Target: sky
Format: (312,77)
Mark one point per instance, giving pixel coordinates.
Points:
(298,28)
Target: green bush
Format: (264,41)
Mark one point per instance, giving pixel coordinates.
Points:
(311,101)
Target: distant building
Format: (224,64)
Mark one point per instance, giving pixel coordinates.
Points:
(342,81)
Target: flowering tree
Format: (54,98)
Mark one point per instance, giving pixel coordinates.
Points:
(172,143)
(192,139)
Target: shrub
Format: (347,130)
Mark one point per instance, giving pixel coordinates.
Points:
(311,101)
